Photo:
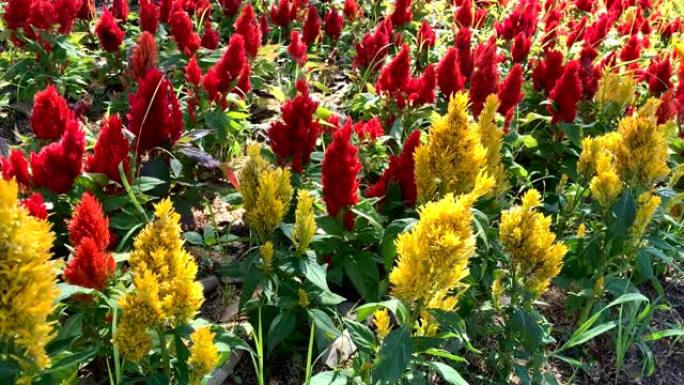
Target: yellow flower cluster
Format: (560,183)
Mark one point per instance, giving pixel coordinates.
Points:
(648,203)
(581,231)
(266,193)
(166,292)
(606,185)
(203,353)
(453,156)
(28,281)
(303,300)
(528,240)
(491,140)
(381,321)
(433,256)
(615,87)
(305,222)
(267,252)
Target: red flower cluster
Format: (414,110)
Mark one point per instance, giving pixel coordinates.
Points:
(50,114)
(449,76)
(510,91)
(165,10)
(523,18)
(230,71)
(144,55)
(149,16)
(520,48)
(193,72)
(369,130)
(154,115)
(351,9)
(109,33)
(373,48)
(58,164)
(293,139)
(402,13)
(312,26)
(120,9)
(284,13)
(589,73)
(183,31)
(426,35)
(210,39)
(111,149)
(401,172)
(334,22)
(464,14)
(247,25)
(465,59)
(297,48)
(566,94)
(658,75)
(485,77)
(547,71)
(91,265)
(632,49)
(396,81)
(340,171)
(41,14)
(15,166)
(35,206)
(395,74)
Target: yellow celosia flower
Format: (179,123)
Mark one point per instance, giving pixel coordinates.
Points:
(28,281)
(427,325)
(491,140)
(453,156)
(526,236)
(592,147)
(615,87)
(266,194)
(305,222)
(581,231)
(433,256)
(606,185)
(303,300)
(267,256)
(166,292)
(498,287)
(381,321)
(203,353)
(599,286)
(648,203)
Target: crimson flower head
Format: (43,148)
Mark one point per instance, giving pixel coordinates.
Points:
(89,221)
(193,72)
(293,139)
(373,48)
(464,14)
(340,171)
(230,7)
(283,14)
(462,44)
(297,48)
(120,9)
(547,71)
(566,94)
(35,205)
(402,13)
(658,75)
(58,164)
(15,166)
(598,30)
(109,33)
(395,74)
(312,26)
(333,24)
(400,171)
(111,149)
(667,109)
(50,114)
(584,5)
(247,25)
(165,10)
(90,266)
(449,76)
(523,18)
(589,73)
(154,115)
(520,48)
(87,10)
(149,16)
(17,13)
(632,50)
(510,90)
(426,35)
(421,90)
(351,9)
(43,14)
(222,77)
(210,39)
(485,77)
(183,32)
(369,130)
(144,55)
(66,10)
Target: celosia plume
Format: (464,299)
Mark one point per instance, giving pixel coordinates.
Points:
(334,22)
(35,205)
(90,266)
(149,16)
(58,164)
(400,171)
(183,32)
(297,48)
(144,55)
(247,25)
(108,32)
(340,171)
(111,150)
(225,75)
(89,221)
(15,166)
(402,13)
(50,114)
(565,94)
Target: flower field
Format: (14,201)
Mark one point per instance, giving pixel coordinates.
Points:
(331,192)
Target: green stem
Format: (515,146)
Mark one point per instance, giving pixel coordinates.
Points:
(260,350)
(165,353)
(309,354)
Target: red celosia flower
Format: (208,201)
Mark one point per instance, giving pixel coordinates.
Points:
(577,30)
(67,11)
(464,14)
(340,171)
(584,5)
(312,26)
(551,27)
(333,24)
(632,50)
(193,72)
(395,74)
(462,44)
(87,10)
(449,76)
(90,266)
(373,48)
(109,33)
(120,9)
(510,91)
(422,90)
(426,35)
(297,48)
(485,77)
(480,18)
(598,30)
(144,55)
(222,76)
(523,18)
(658,75)
(671,28)
(89,221)
(351,9)
(520,48)
(247,25)
(401,172)
(210,39)
(58,164)
(154,115)
(165,10)
(547,71)
(283,14)
(293,139)
(17,13)
(50,114)
(35,206)
(667,109)
(566,94)
(244,82)
(183,31)
(263,26)
(369,130)
(43,14)
(589,73)
(402,13)
(230,7)
(111,149)
(15,166)
(149,16)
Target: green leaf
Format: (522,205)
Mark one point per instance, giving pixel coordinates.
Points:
(624,211)
(281,327)
(8,372)
(394,356)
(677,332)
(328,378)
(362,336)
(577,339)
(448,373)
(363,273)
(194,238)
(526,326)
(387,246)
(324,323)
(68,359)
(66,290)
(444,354)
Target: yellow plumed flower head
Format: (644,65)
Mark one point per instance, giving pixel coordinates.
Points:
(303,298)
(581,231)
(528,240)
(491,140)
(267,252)
(453,156)
(606,185)
(614,87)
(203,353)
(648,203)
(305,222)
(381,321)
(28,281)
